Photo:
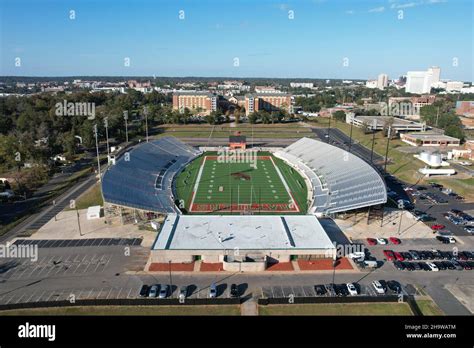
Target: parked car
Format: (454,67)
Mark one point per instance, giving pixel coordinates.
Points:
(378,287)
(371,241)
(414,254)
(465,265)
(406,255)
(424,266)
(395,240)
(320,290)
(351,289)
(234,291)
(416,266)
(398,256)
(432,266)
(183,291)
(457,265)
(144,290)
(389,255)
(394,286)
(437,227)
(164,291)
(399,265)
(382,241)
(213,291)
(440,265)
(153,291)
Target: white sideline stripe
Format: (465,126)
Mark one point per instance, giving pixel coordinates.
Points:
(198,179)
(285,184)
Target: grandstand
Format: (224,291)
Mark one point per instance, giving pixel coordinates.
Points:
(142,179)
(340,181)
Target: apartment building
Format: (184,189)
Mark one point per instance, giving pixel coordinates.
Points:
(201,101)
(267,101)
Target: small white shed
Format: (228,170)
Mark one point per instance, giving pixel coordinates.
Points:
(93,212)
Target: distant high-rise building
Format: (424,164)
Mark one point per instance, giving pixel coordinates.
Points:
(436,73)
(418,82)
(382,81)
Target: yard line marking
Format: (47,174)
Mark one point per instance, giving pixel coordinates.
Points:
(196,184)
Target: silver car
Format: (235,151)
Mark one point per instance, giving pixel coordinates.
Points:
(153,291)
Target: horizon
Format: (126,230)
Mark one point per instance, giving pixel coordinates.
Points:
(293,40)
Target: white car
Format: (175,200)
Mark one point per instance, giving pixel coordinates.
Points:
(432,267)
(382,241)
(465,163)
(352,289)
(451,240)
(378,287)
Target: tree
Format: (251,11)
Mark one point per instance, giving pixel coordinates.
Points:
(253,118)
(339,115)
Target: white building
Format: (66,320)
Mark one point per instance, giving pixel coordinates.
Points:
(371,84)
(382,81)
(435,71)
(454,86)
(418,82)
(301,84)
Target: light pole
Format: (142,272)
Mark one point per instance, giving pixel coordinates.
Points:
(329,128)
(171,281)
(125,117)
(374,128)
(106,124)
(350,135)
(386,150)
(97,149)
(145,111)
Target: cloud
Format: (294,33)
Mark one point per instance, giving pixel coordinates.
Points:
(350,12)
(399,5)
(377,9)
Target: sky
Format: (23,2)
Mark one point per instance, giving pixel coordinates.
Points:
(343,39)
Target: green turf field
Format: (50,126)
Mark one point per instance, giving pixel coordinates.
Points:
(258,184)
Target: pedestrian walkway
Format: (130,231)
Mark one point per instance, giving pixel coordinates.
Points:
(249,307)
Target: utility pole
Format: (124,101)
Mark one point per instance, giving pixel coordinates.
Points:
(78,222)
(145,111)
(106,124)
(171,280)
(329,128)
(386,150)
(125,117)
(97,149)
(374,128)
(350,135)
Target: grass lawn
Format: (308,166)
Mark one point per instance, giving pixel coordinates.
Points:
(91,197)
(129,310)
(337,309)
(259,184)
(428,307)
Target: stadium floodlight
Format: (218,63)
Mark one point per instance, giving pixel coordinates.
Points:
(145,112)
(125,117)
(106,124)
(97,149)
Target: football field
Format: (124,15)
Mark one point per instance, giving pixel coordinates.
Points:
(259,186)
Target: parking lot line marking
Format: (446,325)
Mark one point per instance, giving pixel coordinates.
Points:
(90,263)
(40,296)
(51,294)
(20,298)
(128,295)
(100,292)
(106,264)
(10,299)
(21,275)
(57,297)
(29,298)
(90,293)
(109,293)
(119,293)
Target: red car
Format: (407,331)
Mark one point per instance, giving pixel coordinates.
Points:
(395,240)
(371,241)
(398,256)
(389,255)
(437,227)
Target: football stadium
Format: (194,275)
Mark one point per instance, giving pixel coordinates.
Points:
(194,194)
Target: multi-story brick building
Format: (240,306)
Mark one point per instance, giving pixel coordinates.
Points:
(205,102)
(268,102)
